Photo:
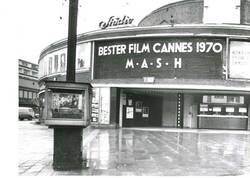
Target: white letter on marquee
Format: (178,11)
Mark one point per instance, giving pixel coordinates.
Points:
(177,63)
(144,64)
(129,64)
(100,51)
(158,61)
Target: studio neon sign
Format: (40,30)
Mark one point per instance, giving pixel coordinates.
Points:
(116,21)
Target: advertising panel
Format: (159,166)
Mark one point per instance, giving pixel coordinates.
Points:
(239,61)
(159,57)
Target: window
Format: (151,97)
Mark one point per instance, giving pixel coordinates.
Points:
(34,66)
(34,95)
(243,110)
(24,63)
(30,95)
(219,97)
(25,94)
(50,65)
(20,93)
(34,73)
(209,99)
(230,109)
(67,105)
(63,62)
(216,109)
(235,99)
(80,63)
(56,63)
(25,71)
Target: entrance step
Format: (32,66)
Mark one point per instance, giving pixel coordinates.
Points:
(105,126)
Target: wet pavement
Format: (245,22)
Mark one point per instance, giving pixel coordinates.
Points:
(135,151)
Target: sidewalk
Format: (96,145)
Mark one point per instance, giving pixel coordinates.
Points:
(141,151)
(36,150)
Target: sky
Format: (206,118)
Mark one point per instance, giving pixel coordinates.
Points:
(38,23)
(35,24)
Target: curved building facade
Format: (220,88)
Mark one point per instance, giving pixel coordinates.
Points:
(175,69)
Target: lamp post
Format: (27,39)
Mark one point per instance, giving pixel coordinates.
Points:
(68,139)
(72,39)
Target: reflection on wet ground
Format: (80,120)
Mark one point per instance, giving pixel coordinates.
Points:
(159,152)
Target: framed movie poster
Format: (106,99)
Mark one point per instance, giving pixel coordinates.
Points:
(138,106)
(129,112)
(130,102)
(145,112)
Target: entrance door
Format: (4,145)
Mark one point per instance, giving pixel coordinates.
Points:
(142,111)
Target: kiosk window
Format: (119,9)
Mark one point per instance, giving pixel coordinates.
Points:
(216,109)
(235,99)
(67,105)
(203,107)
(229,109)
(243,110)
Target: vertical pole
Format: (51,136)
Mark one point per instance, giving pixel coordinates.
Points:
(67,139)
(72,39)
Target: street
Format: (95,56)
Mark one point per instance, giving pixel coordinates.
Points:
(141,151)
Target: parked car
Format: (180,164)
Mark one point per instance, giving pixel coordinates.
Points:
(37,115)
(26,113)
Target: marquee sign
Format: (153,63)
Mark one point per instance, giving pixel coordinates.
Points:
(159,57)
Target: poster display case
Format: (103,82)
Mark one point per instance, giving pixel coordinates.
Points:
(67,103)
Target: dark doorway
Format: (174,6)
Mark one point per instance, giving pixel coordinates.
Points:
(142,111)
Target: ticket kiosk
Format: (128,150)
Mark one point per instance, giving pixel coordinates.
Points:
(223,112)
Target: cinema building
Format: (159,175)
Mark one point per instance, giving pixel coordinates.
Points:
(177,68)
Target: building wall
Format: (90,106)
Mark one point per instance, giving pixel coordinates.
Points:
(186,12)
(169,110)
(28,83)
